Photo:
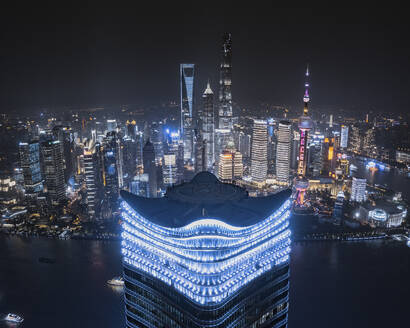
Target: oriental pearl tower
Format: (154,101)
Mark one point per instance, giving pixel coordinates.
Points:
(305,125)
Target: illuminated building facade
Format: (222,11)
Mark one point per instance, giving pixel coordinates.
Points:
(30,164)
(225,84)
(259,157)
(187,72)
(112,167)
(283,152)
(358,193)
(53,170)
(206,255)
(329,156)
(230,166)
(344,136)
(222,138)
(169,169)
(91,160)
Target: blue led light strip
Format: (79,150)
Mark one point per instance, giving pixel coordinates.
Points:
(207,260)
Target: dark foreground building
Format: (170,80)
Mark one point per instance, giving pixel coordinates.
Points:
(206,255)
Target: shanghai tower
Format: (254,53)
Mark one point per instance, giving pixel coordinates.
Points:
(225,84)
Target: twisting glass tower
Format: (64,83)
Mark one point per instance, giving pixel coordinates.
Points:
(305,125)
(187,103)
(206,255)
(225,84)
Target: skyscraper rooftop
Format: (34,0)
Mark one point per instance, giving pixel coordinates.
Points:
(206,196)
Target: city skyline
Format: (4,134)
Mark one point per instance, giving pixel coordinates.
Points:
(79,60)
(189,167)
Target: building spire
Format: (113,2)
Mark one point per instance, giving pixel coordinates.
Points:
(208,90)
(306,97)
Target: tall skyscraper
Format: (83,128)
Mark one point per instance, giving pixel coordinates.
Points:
(30,164)
(53,170)
(222,138)
(358,190)
(344,136)
(187,73)
(169,170)
(174,145)
(283,152)
(230,165)
(157,137)
(150,167)
(305,125)
(113,167)
(244,144)
(182,269)
(329,156)
(200,154)
(92,177)
(369,142)
(129,153)
(111,126)
(208,126)
(259,158)
(64,135)
(225,84)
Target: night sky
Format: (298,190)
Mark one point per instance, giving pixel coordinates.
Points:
(97,54)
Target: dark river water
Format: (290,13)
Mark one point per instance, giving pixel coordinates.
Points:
(393,178)
(332,284)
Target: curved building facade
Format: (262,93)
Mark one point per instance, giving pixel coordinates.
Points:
(206,255)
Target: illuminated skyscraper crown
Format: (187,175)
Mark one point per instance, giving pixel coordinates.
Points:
(205,238)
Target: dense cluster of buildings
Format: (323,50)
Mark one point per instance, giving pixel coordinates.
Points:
(77,162)
(184,180)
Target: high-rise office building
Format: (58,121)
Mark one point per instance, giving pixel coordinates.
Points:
(230,165)
(64,135)
(111,126)
(355,140)
(92,177)
(132,129)
(259,159)
(329,156)
(150,168)
(187,73)
(113,167)
(129,153)
(139,185)
(157,137)
(225,84)
(283,152)
(222,138)
(174,145)
(208,127)
(316,154)
(358,190)
(53,170)
(169,170)
(30,164)
(139,141)
(244,144)
(200,154)
(369,142)
(183,269)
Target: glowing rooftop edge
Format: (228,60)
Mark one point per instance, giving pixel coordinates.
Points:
(207,260)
